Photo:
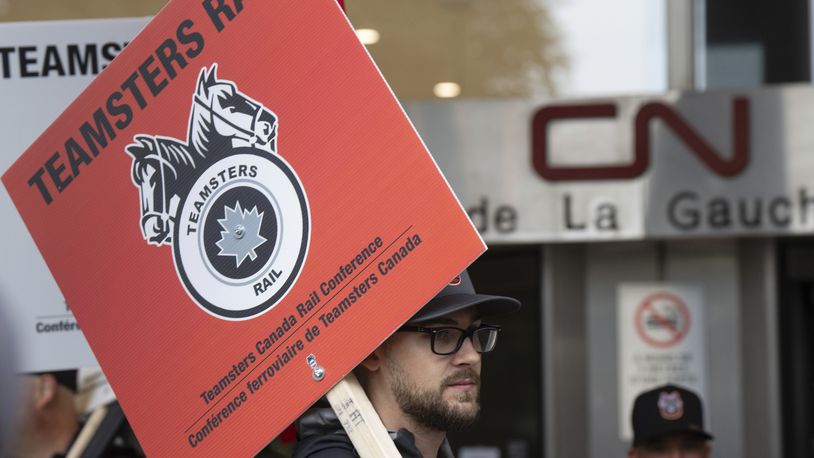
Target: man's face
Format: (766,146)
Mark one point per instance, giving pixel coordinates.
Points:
(673,446)
(439,392)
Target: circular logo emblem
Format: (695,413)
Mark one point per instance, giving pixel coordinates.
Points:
(242,234)
(662,320)
(671,406)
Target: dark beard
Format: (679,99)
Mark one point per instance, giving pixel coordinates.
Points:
(429,409)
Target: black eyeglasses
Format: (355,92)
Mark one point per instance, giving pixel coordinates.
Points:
(448,340)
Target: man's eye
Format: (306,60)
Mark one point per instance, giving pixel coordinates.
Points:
(443,336)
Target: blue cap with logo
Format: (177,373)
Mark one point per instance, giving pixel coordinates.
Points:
(665,410)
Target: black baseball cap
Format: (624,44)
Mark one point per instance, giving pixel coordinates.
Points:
(460,294)
(667,409)
(67,378)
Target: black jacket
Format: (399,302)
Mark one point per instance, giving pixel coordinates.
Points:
(320,435)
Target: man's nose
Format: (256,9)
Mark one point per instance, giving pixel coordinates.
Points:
(466,355)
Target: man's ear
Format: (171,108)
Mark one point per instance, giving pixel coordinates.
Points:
(373,362)
(45,390)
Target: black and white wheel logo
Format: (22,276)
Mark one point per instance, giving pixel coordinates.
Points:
(242,235)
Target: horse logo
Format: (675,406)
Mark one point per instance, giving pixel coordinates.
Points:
(671,406)
(233,210)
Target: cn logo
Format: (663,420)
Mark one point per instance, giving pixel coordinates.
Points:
(646,115)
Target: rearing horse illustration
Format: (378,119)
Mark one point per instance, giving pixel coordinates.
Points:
(164,168)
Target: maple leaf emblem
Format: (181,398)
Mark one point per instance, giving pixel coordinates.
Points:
(240,236)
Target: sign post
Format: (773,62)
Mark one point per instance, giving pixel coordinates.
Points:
(360,420)
(239,212)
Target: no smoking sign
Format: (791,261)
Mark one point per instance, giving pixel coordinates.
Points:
(662,320)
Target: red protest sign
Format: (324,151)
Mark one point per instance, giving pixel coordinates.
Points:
(238,211)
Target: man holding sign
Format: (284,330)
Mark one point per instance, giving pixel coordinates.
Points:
(424,380)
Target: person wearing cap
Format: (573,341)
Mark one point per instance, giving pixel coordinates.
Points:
(668,421)
(424,380)
(48,420)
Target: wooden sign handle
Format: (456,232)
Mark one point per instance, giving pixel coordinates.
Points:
(85,436)
(363,425)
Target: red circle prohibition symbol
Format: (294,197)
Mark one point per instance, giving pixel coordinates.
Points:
(676,329)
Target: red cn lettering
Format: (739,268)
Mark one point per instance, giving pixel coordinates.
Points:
(641,157)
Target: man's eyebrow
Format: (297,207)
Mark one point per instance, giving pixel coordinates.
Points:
(442,320)
(450,321)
